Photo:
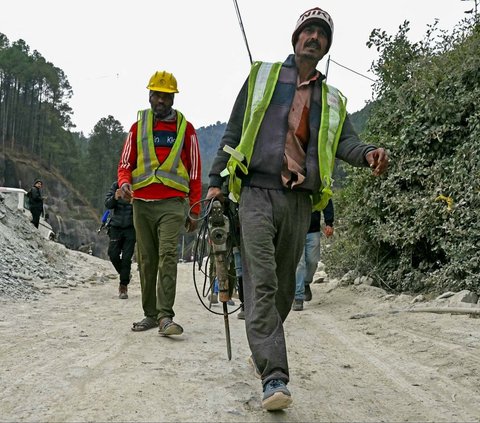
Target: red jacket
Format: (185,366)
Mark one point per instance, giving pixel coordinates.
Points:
(190,157)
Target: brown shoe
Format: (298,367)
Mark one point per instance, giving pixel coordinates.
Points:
(123,292)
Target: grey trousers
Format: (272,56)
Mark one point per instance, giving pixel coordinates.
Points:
(273,224)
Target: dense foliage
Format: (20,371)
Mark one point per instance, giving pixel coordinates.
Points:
(34,110)
(104,149)
(35,119)
(418,227)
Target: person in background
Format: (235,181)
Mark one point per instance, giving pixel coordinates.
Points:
(160,169)
(36,199)
(122,237)
(311,255)
(278,151)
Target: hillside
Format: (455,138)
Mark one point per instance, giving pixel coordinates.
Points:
(72,218)
(31,266)
(209,138)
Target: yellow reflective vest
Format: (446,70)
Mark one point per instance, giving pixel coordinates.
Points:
(262,81)
(172,172)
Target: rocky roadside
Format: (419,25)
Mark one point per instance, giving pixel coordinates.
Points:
(31,265)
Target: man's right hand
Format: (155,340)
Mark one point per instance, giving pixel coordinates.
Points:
(127,193)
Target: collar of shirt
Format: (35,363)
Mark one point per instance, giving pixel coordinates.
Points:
(315,76)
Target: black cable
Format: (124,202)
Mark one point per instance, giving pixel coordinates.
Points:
(201,255)
(242,29)
(351,70)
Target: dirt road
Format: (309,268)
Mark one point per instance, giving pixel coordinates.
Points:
(71,357)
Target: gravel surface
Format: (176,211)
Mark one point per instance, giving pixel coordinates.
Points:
(355,353)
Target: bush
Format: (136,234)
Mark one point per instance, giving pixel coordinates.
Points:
(417,228)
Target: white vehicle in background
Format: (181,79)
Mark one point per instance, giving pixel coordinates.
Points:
(16,199)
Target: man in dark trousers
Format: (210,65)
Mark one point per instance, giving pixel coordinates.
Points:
(311,255)
(36,201)
(286,128)
(122,237)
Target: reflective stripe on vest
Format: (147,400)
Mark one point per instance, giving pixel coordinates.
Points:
(172,172)
(334,111)
(261,84)
(262,80)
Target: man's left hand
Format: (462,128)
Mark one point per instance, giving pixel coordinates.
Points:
(328,231)
(378,161)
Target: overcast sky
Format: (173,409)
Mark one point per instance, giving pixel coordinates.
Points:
(109,49)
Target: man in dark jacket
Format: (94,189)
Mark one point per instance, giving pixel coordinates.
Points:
(36,201)
(311,255)
(122,237)
(285,130)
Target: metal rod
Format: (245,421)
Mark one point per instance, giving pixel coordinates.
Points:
(227,331)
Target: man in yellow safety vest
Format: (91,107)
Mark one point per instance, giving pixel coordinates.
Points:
(278,150)
(160,171)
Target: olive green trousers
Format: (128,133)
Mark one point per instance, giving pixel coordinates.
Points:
(158,225)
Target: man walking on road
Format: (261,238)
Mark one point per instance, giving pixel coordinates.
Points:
(160,169)
(287,126)
(311,255)
(122,237)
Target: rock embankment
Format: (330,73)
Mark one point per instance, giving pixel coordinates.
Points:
(31,265)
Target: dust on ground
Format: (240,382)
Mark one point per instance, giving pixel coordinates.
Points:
(70,356)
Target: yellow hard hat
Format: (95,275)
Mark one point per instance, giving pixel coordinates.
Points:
(163,81)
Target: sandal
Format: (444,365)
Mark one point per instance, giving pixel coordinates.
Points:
(145,324)
(169,327)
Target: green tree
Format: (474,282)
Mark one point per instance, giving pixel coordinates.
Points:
(104,149)
(417,229)
(34,95)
